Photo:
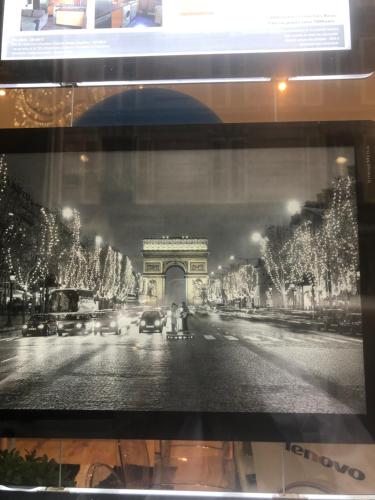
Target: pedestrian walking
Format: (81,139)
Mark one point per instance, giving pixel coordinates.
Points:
(183,314)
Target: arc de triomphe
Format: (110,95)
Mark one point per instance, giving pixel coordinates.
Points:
(161,254)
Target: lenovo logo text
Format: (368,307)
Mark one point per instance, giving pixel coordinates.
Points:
(326,461)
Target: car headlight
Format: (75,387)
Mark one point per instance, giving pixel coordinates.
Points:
(79,325)
(157,323)
(24,327)
(113,324)
(143,323)
(59,326)
(40,327)
(98,324)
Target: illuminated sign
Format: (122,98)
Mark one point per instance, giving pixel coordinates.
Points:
(46,29)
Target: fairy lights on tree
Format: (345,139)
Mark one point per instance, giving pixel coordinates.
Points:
(323,256)
(32,250)
(339,239)
(3,177)
(274,249)
(38,246)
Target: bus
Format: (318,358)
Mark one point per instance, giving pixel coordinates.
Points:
(72,300)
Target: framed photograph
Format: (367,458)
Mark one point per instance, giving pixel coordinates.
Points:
(194,282)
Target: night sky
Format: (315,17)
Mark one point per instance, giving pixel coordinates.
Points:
(220,195)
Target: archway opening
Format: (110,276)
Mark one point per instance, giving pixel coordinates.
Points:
(175,286)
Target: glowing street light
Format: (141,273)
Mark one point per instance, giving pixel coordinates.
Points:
(67,213)
(341,160)
(256,237)
(232,257)
(293,207)
(84,158)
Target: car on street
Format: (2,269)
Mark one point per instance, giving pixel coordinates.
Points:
(151,321)
(75,324)
(40,324)
(107,322)
(132,315)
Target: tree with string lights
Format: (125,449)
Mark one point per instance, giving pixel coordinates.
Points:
(338,239)
(275,253)
(248,281)
(73,268)
(32,249)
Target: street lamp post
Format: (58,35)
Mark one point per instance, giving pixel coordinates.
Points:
(12,280)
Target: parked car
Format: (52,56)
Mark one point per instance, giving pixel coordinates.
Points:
(106,322)
(75,324)
(151,321)
(40,324)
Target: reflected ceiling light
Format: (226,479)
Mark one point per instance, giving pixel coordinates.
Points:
(282,86)
(181,81)
(355,76)
(171,493)
(341,160)
(2,93)
(32,85)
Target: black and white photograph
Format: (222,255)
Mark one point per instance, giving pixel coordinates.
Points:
(218,280)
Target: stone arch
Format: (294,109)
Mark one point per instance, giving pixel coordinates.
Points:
(175,285)
(176,263)
(162,254)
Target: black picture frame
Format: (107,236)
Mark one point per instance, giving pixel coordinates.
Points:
(282,427)
(359,60)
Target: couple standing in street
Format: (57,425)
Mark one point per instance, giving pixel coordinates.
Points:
(179,318)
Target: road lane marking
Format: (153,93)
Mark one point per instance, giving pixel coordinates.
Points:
(294,340)
(339,340)
(11,339)
(317,340)
(8,359)
(263,338)
(209,337)
(230,337)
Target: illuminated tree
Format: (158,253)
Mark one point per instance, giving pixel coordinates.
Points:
(73,269)
(338,239)
(305,259)
(214,290)
(3,177)
(32,251)
(94,267)
(248,281)
(275,253)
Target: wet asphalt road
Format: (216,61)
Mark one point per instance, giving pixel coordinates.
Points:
(230,365)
